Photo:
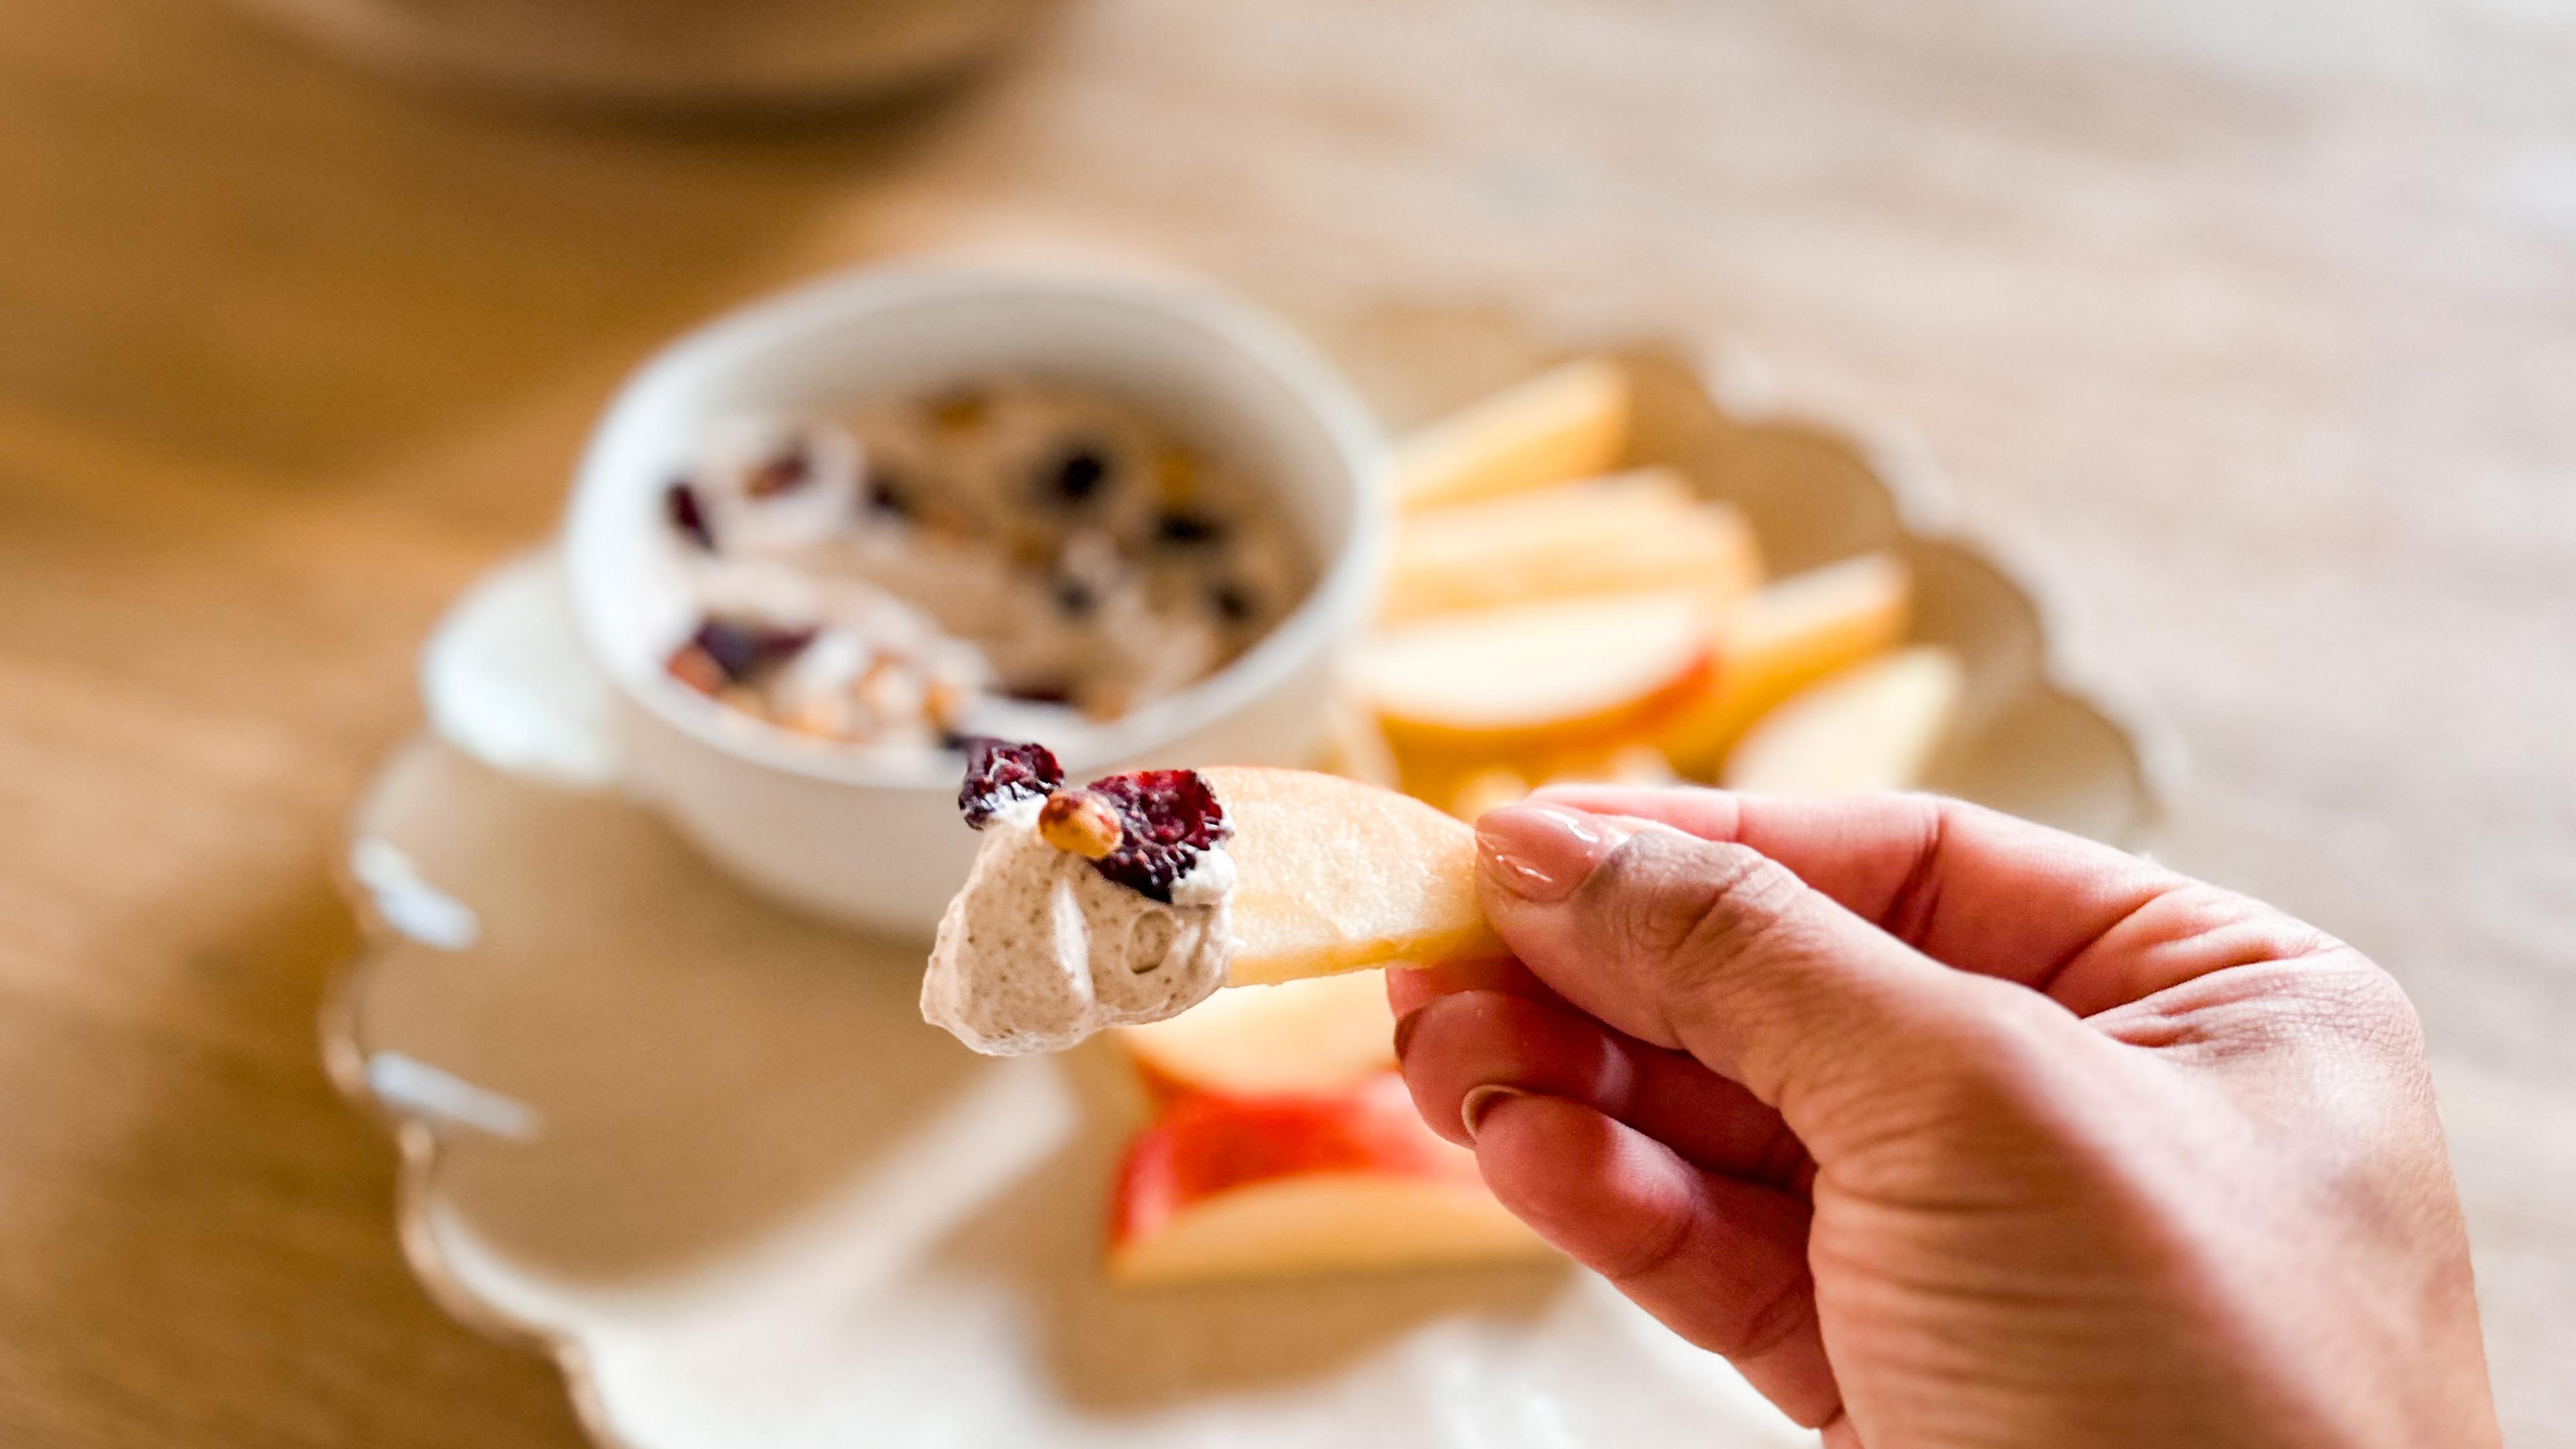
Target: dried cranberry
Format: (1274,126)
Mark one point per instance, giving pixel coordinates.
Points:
(1077,476)
(1180,528)
(743,651)
(784,471)
(680,505)
(1000,773)
(1169,818)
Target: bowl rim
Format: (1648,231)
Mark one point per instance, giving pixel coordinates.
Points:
(1336,604)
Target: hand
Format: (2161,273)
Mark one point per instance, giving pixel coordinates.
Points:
(1948,1129)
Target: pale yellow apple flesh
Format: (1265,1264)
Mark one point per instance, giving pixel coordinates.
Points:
(1784,638)
(1874,726)
(1219,1189)
(1324,1034)
(1622,534)
(1539,676)
(1493,786)
(1332,875)
(1568,423)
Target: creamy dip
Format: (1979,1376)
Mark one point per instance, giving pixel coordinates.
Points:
(1040,950)
(1015,558)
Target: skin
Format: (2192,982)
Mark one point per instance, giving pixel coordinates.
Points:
(1950,1130)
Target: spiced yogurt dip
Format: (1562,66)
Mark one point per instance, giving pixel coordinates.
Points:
(1013,557)
(1086,908)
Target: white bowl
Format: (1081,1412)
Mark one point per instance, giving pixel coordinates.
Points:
(872,837)
(691,57)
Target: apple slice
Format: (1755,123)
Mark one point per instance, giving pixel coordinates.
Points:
(1535,677)
(1332,875)
(1493,786)
(1490,788)
(1784,638)
(1872,727)
(1298,1038)
(1220,1188)
(1568,423)
(1621,534)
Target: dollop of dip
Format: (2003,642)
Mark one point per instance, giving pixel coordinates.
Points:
(1085,909)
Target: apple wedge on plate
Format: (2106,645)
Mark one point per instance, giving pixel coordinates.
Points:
(1297,1038)
(1645,529)
(1222,1188)
(1538,677)
(1558,426)
(1874,726)
(1784,638)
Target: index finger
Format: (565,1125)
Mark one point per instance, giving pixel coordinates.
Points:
(1979,890)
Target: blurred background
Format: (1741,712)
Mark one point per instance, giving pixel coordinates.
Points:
(2256,317)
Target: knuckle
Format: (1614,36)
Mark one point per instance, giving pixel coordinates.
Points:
(2333,1000)
(1688,907)
(2006,1050)
(2366,1004)
(1773,1320)
(1654,1250)
(1980,1078)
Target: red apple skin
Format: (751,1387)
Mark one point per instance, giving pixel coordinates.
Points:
(1202,1145)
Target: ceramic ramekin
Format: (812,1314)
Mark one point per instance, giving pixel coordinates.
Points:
(873,838)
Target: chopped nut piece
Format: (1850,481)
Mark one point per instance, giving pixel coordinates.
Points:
(784,471)
(1081,823)
(1176,477)
(697,669)
(822,718)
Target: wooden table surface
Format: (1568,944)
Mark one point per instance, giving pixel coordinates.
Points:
(2258,315)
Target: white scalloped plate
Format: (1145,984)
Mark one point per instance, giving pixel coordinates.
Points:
(707,1155)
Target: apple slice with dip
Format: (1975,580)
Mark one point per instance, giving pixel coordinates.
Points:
(1135,897)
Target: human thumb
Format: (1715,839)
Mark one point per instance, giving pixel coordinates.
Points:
(1712,948)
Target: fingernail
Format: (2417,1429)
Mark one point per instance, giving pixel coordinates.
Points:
(1481,1100)
(1542,852)
(1404,1026)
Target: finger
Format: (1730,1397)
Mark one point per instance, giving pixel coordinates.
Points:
(1464,1043)
(1953,880)
(1720,1262)
(1981,890)
(1409,987)
(1717,950)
